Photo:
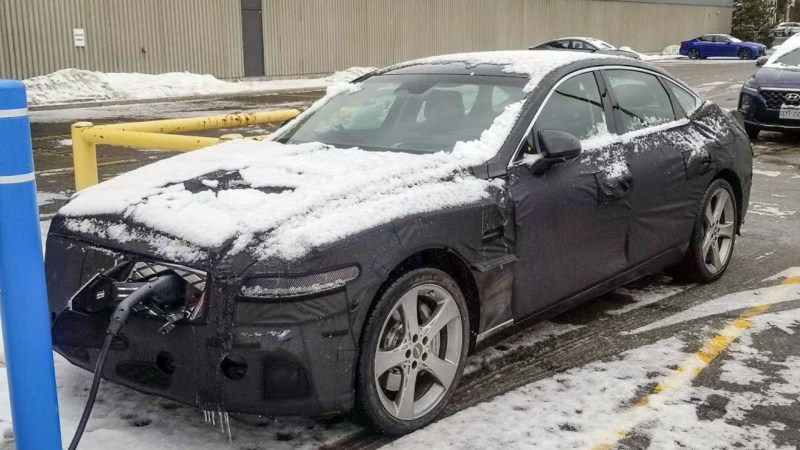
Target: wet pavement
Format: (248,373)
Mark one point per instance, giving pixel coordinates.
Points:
(721,394)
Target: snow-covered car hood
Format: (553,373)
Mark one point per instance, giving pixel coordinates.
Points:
(272,199)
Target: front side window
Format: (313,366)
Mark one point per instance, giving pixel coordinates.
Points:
(578,45)
(408,113)
(601,44)
(641,100)
(574,107)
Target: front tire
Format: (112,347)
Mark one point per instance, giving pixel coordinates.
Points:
(413,351)
(745,53)
(711,247)
(693,53)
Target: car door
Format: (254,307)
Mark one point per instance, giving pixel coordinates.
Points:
(727,46)
(709,47)
(572,219)
(662,145)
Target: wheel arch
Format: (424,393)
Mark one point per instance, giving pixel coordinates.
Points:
(453,264)
(736,184)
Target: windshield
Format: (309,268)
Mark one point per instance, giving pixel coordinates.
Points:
(408,113)
(600,44)
(734,40)
(791,59)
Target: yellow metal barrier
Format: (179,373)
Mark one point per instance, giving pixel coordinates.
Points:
(157,134)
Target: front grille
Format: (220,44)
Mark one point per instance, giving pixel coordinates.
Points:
(775,98)
(143,270)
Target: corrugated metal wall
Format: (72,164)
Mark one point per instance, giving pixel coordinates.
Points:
(303,37)
(336,34)
(150,36)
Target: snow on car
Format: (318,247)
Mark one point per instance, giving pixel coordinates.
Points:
(354,259)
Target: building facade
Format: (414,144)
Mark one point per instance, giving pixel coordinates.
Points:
(281,38)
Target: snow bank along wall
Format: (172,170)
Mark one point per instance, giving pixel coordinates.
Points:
(304,37)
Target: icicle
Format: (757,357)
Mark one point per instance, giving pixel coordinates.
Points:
(228,424)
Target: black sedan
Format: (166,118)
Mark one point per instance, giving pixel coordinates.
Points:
(353,261)
(770,99)
(586,44)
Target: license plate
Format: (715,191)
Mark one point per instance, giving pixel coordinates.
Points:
(790,113)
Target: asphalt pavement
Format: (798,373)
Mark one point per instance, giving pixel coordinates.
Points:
(600,329)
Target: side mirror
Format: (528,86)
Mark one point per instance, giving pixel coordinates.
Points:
(761,61)
(556,146)
(559,145)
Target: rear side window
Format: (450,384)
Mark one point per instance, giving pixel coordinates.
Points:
(641,99)
(575,107)
(688,101)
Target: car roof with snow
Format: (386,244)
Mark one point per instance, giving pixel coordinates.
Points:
(533,64)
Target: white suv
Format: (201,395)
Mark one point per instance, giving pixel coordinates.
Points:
(787,29)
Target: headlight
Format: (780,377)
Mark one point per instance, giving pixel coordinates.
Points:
(745,102)
(295,286)
(751,84)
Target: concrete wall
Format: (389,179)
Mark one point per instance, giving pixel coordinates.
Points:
(303,37)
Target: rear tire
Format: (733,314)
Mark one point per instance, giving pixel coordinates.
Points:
(752,131)
(417,337)
(713,238)
(745,53)
(693,53)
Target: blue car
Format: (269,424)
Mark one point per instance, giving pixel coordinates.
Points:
(721,45)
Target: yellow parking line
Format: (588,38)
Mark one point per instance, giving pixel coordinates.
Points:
(70,169)
(683,375)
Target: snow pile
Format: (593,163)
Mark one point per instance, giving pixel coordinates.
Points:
(535,64)
(671,50)
(76,85)
(289,198)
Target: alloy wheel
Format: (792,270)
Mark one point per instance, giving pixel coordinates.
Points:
(694,54)
(718,229)
(418,352)
(745,54)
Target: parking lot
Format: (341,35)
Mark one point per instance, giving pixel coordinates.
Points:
(656,364)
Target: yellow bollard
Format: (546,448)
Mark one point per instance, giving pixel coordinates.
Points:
(84,157)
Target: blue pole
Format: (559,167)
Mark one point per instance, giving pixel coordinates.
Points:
(23,296)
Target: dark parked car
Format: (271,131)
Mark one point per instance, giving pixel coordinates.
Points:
(721,45)
(357,258)
(585,44)
(770,99)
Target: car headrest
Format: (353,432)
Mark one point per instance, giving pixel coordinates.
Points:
(443,104)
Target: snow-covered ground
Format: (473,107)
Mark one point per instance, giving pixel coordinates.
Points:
(76,85)
(579,408)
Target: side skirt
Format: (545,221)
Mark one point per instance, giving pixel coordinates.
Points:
(666,259)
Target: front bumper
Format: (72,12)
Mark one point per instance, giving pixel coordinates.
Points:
(270,358)
(759,114)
